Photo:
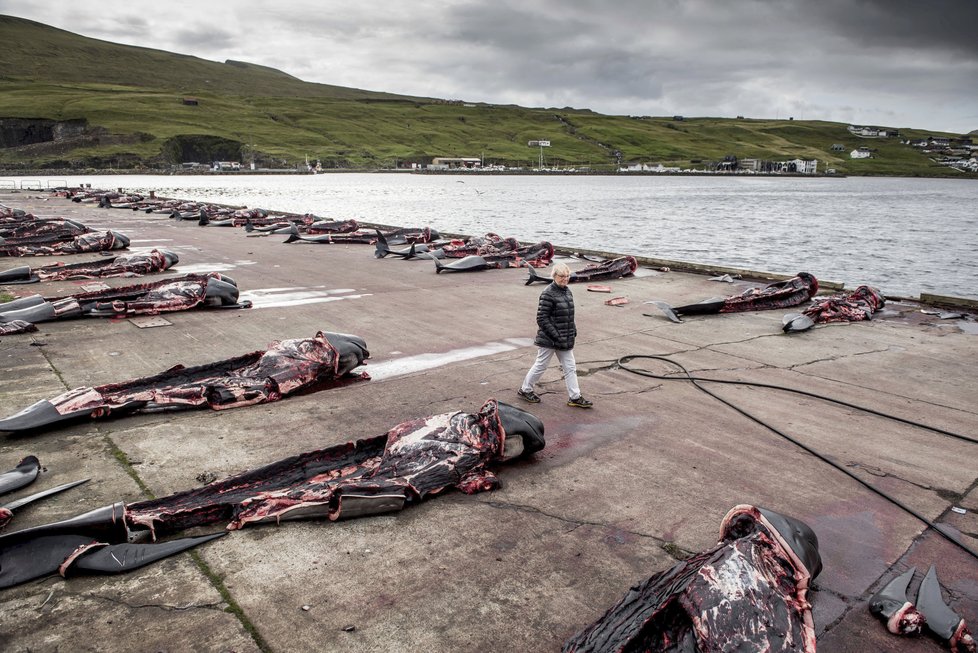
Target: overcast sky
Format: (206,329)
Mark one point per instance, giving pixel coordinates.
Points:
(895,63)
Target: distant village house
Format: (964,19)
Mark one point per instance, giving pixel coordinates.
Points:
(872,132)
(454,163)
(732,165)
(802,166)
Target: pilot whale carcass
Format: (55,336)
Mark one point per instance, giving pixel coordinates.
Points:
(383,248)
(616,268)
(790,292)
(856,306)
(537,255)
(165,296)
(125,265)
(747,593)
(90,242)
(409,463)
(40,230)
(262,376)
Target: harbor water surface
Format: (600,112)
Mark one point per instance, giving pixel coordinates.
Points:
(904,236)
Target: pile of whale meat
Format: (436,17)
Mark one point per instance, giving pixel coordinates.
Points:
(856,306)
(16,326)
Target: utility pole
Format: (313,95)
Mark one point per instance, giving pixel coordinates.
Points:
(541,145)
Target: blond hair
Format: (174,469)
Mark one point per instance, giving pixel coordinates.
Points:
(560,268)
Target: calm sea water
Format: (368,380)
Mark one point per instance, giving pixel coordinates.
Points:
(902,235)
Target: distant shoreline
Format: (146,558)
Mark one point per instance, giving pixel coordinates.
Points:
(462,172)
(455,172)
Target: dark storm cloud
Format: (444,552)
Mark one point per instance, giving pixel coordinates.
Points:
(530,50)
(900,63)
(847,61)
(947,25)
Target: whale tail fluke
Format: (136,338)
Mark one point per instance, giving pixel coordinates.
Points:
(666,309)
(535,277)
(293,234)
(382,248)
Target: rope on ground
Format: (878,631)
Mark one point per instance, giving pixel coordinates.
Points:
(939,528)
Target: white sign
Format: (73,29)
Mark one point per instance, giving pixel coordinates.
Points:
(538,143)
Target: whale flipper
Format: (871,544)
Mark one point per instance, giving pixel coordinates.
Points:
(122,558)
(941,619)
(23,474)
(796,323)
(666,309)
(891,605)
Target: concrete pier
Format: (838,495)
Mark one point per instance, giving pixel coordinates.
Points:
(621,491)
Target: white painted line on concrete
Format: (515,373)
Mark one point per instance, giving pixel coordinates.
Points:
(422,362)
(209,267)
(284,297)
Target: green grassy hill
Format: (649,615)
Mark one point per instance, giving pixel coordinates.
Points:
(68,101)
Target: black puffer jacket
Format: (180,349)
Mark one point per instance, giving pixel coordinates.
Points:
(555,318)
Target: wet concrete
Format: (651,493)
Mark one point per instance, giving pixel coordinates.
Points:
(620,492)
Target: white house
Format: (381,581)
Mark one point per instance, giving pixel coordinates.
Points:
(805,167)
(447,162)
(872,132)
(860,153)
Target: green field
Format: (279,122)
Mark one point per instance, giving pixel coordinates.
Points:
(132,104)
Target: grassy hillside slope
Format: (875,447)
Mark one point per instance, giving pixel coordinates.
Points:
(128,106)
(33,51)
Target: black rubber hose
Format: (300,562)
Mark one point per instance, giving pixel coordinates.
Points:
(689,377)
(622,363)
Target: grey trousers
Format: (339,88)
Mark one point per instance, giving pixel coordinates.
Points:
(567,364)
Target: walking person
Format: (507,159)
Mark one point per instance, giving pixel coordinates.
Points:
(555,337)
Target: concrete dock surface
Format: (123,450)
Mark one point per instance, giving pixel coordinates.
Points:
(620,492)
